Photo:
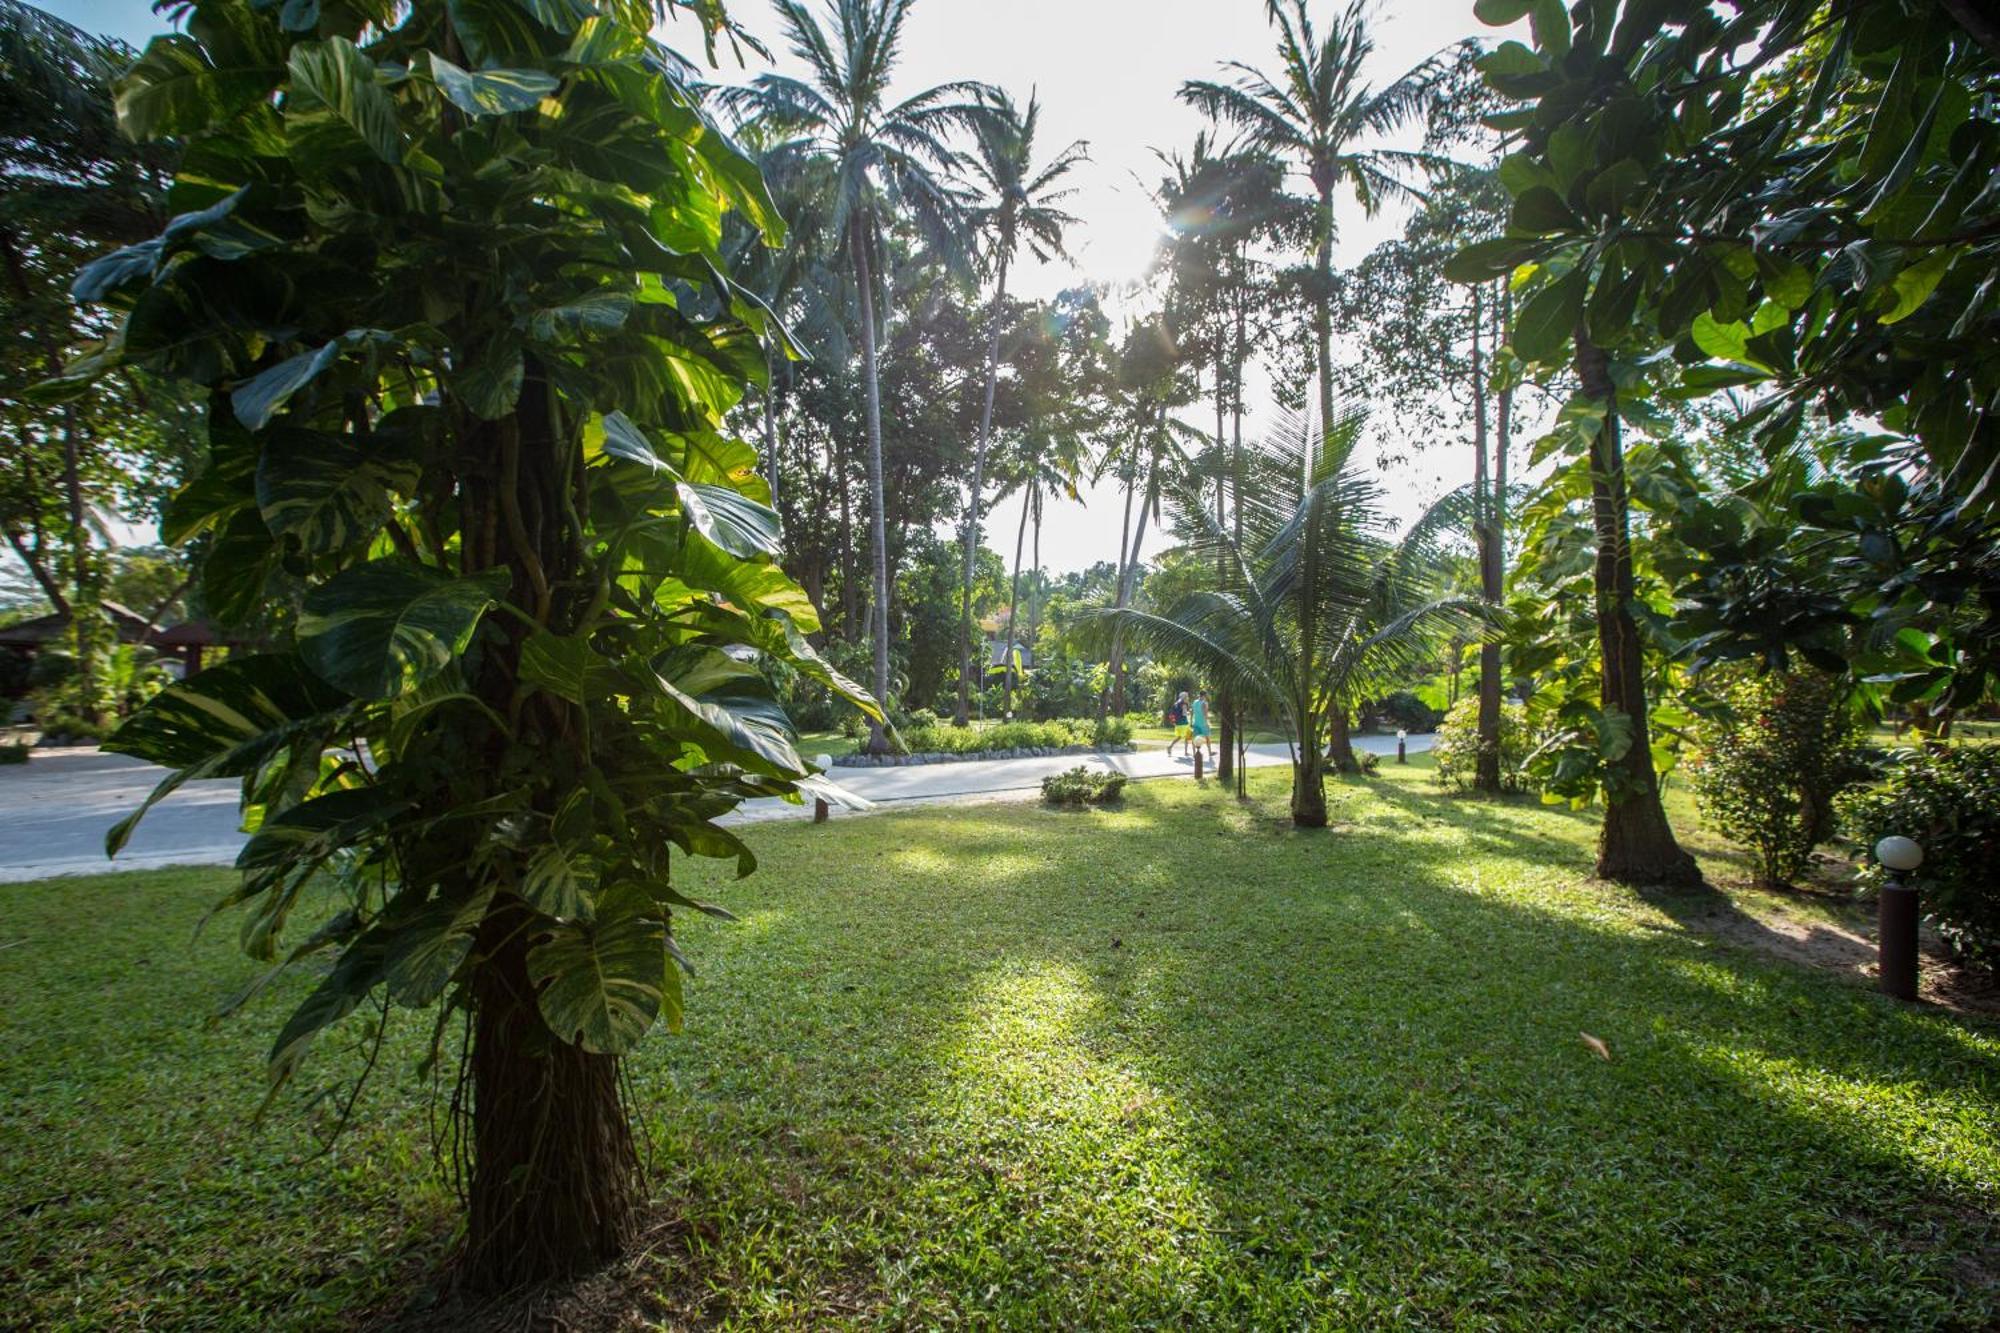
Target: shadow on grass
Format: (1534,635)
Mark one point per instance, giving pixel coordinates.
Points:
(1383,1093)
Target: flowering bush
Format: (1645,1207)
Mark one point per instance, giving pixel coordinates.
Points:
(1949,801)
(1766,772)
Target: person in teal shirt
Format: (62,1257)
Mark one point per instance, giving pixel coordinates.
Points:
(1198,720)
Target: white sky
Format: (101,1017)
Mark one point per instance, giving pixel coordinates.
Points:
(1107,72)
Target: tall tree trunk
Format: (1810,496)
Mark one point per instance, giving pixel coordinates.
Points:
(1225,720)
(1637,845)
(1339,744)
(555,1178)
(1309,783)
(878,539)
(1013,615)
(1323,303)
(86,616)
(1128,579)
(1035,588)
(1229,762)
(1486,770)
(973,508)
(1115,689)
(850,582)
(771,423)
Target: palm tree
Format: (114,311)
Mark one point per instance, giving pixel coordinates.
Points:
(1020,203)
(1315,114)
(888,161)
(1050,462)
(1317,607)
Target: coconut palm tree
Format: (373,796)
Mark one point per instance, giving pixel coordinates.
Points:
(890,161)
(1315,114)
(1317,607)
(1019,205)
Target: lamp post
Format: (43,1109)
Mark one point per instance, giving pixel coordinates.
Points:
(1896,923)
(821,810)
(1402,746)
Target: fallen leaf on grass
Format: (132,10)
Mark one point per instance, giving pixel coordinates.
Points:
(1597,1045)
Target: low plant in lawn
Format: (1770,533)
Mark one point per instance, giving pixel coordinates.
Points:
(1949,801)
(1765,772)
(1083,786)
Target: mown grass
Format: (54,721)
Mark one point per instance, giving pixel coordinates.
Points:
(1170,1065)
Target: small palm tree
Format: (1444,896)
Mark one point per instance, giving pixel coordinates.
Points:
(1315,114)
(889,161)
(1316,607)
(1020,204)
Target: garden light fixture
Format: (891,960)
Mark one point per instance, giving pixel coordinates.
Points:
(1896,921)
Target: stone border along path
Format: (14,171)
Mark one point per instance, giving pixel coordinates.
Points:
(55,808)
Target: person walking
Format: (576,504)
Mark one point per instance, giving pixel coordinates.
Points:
(1198,724)
(1178,718)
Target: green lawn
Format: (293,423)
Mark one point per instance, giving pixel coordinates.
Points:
(1173,1065)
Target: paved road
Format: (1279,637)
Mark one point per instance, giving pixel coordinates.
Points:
(54,810)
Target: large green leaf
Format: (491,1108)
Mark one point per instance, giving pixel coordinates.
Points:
(492,92)
(328,492)
(358,971)
(381,628)
(601,984)
(173,90)
(737,524)
(314,829)
(561,664)
(334,82)
(751,732)
(1545,323)
(424,949)
(224,723)
(556,884)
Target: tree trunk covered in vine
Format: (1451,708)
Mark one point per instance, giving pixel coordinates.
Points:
(555,1177)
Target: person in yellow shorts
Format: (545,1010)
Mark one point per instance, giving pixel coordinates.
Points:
(1183,728)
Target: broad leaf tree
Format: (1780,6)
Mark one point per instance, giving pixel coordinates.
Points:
(440,271)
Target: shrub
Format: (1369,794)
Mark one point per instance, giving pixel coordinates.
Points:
(14,752)
(944,738)
(1083,786)
(1457,746)
(1113,731)
(922,717)
(1949,801)
(1766,772)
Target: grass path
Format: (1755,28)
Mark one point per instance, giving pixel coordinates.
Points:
(1174,1064)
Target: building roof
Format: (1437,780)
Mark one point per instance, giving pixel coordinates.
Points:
(43,630)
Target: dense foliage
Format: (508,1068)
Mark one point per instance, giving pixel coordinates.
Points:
(1766,770)
(1949,801)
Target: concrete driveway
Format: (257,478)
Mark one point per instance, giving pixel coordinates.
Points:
(55,809)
